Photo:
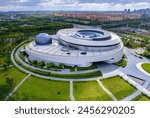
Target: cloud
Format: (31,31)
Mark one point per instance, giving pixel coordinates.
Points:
(97,6)
(73,4)
(113,1)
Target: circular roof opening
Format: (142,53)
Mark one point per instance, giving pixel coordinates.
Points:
(43,39)
(92,35)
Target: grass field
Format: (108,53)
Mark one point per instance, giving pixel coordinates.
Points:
(146,67)
(10,72)
(141,97)
(90,91)
(35,89)
(119,87)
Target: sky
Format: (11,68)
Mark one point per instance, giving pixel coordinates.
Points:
(81,5)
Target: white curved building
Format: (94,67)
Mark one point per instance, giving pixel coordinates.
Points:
(76,47)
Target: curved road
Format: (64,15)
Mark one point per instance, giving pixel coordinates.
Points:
(130,69)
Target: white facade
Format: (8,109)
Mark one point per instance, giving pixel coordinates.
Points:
(70,50)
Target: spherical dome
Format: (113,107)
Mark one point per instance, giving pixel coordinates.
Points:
(43,39)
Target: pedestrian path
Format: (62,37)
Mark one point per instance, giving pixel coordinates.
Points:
(6,67)
(71,91)
(15,89)
(106,90)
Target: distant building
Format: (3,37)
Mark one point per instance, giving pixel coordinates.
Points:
(10,18)
(100,16)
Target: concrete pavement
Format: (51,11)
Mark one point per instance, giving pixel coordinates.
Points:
(71,91)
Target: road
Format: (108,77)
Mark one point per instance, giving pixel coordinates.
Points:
(130,69)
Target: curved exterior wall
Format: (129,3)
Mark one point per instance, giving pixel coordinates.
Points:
(113,57)
(112,42)
(94,48)
(73,51)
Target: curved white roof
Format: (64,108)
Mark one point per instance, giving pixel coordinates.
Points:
(67,35)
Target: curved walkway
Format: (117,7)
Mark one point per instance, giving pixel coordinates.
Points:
(71,91)
(139,66)
(46,77)
(6,67)
(56,72)
(135,94)
(15,89)
(106,90)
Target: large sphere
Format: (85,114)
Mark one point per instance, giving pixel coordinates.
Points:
(43,39)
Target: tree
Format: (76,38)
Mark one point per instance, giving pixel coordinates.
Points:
(49,65)
(34,62)
(41,64)
(61,65)
(9,81)
(8,61)
(146,54)
(148,47)
(4,65)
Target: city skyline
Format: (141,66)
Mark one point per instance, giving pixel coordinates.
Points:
(72,5)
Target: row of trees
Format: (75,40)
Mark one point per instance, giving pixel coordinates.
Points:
(42,64)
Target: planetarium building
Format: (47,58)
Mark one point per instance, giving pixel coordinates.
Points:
(76,47)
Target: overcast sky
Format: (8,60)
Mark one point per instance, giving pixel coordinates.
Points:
(103,5)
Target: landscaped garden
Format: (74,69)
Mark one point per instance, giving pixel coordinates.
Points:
(36,89)
(70,76)
(89,91)
(9,78)
(118,87)
(122,63)
(146,67)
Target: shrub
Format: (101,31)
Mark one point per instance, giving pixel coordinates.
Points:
(41,64)
(34,62)
(9,81)
(49,65)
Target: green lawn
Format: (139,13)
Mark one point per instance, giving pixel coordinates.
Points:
(35,89)
(10,72)
(141,97)
(89,91)
(146,67)
(119,87)
(122,63)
